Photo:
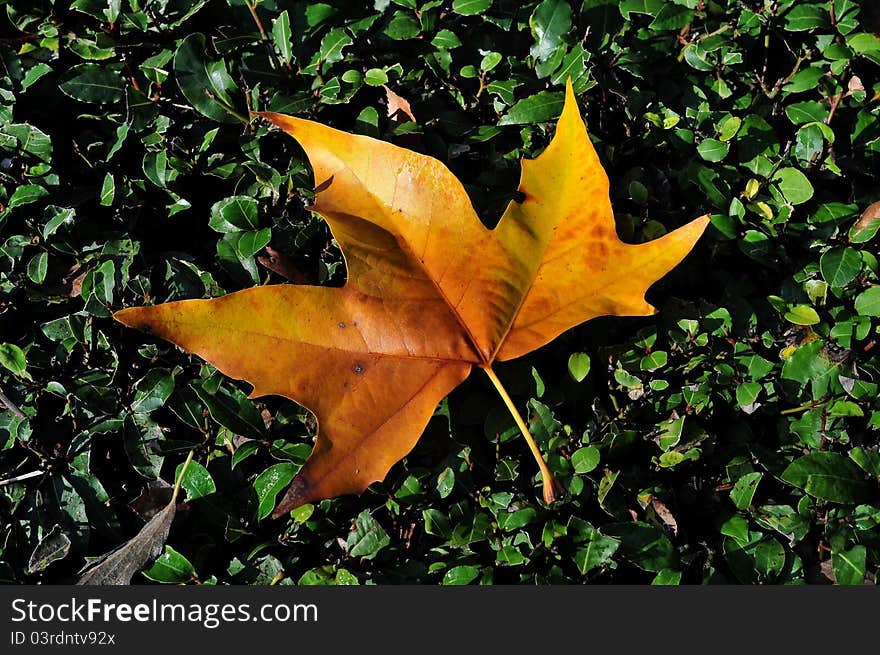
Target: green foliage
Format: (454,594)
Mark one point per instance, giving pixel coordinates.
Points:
(733,438)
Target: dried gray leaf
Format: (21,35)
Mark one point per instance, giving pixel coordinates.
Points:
(119,566)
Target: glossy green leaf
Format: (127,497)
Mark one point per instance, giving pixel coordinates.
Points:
(470,7)
(270,483)
(868,302)
(585,459)
(170,568)
(93,83)
(13,359)
(849,565)
(206,83)
(197,482)
(579,366)
(793,185)
(550,21)
(367,538)
(802,315)
(744,490)
(828,476)
(840,266)
(542,106)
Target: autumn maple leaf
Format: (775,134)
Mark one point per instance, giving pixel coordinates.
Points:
(431,292)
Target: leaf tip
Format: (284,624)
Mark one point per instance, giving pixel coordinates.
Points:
(138,318)
(696,227)
(126,316)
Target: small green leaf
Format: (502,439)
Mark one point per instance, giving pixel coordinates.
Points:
(171,568)
(269,483)
(868,302)
(461,575)
(670,459)
(13,359)
(152,390)
(367,538)
(802,315)
(197,482)
(93,83)
(445,482)
(206,84)
(592,549)
(747,393)
(445,40)
(849,565)
(579,366)
(667,577)
(645,545)
(550,21)
(808,111)
(585,459)
(26,194)
(769,558)
(728,129)
(543,106)
(654,361)
(867,459)
(713,150)
(470,7)
(744,490)
(36,269)
(793,185)
(234,214)
(376,77)
(108,190)
(281,34)
(840,266)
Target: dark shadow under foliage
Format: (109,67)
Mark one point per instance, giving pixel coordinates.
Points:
(732,438)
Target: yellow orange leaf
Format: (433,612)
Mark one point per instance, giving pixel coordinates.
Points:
(431,292)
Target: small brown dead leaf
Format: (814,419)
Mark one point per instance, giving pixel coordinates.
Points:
(397,104)
(855,84)
(73,281)
(665,515)
(152,499)
(283,266)
(820,574)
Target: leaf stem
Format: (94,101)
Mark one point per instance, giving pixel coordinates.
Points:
(253,9)
(180,477)
(550,488)
(11,406)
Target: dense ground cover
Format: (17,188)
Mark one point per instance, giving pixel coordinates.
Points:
(733,438)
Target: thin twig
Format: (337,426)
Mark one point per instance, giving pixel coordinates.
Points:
(253,9)
(264,36)
(19,478)
(11,406)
